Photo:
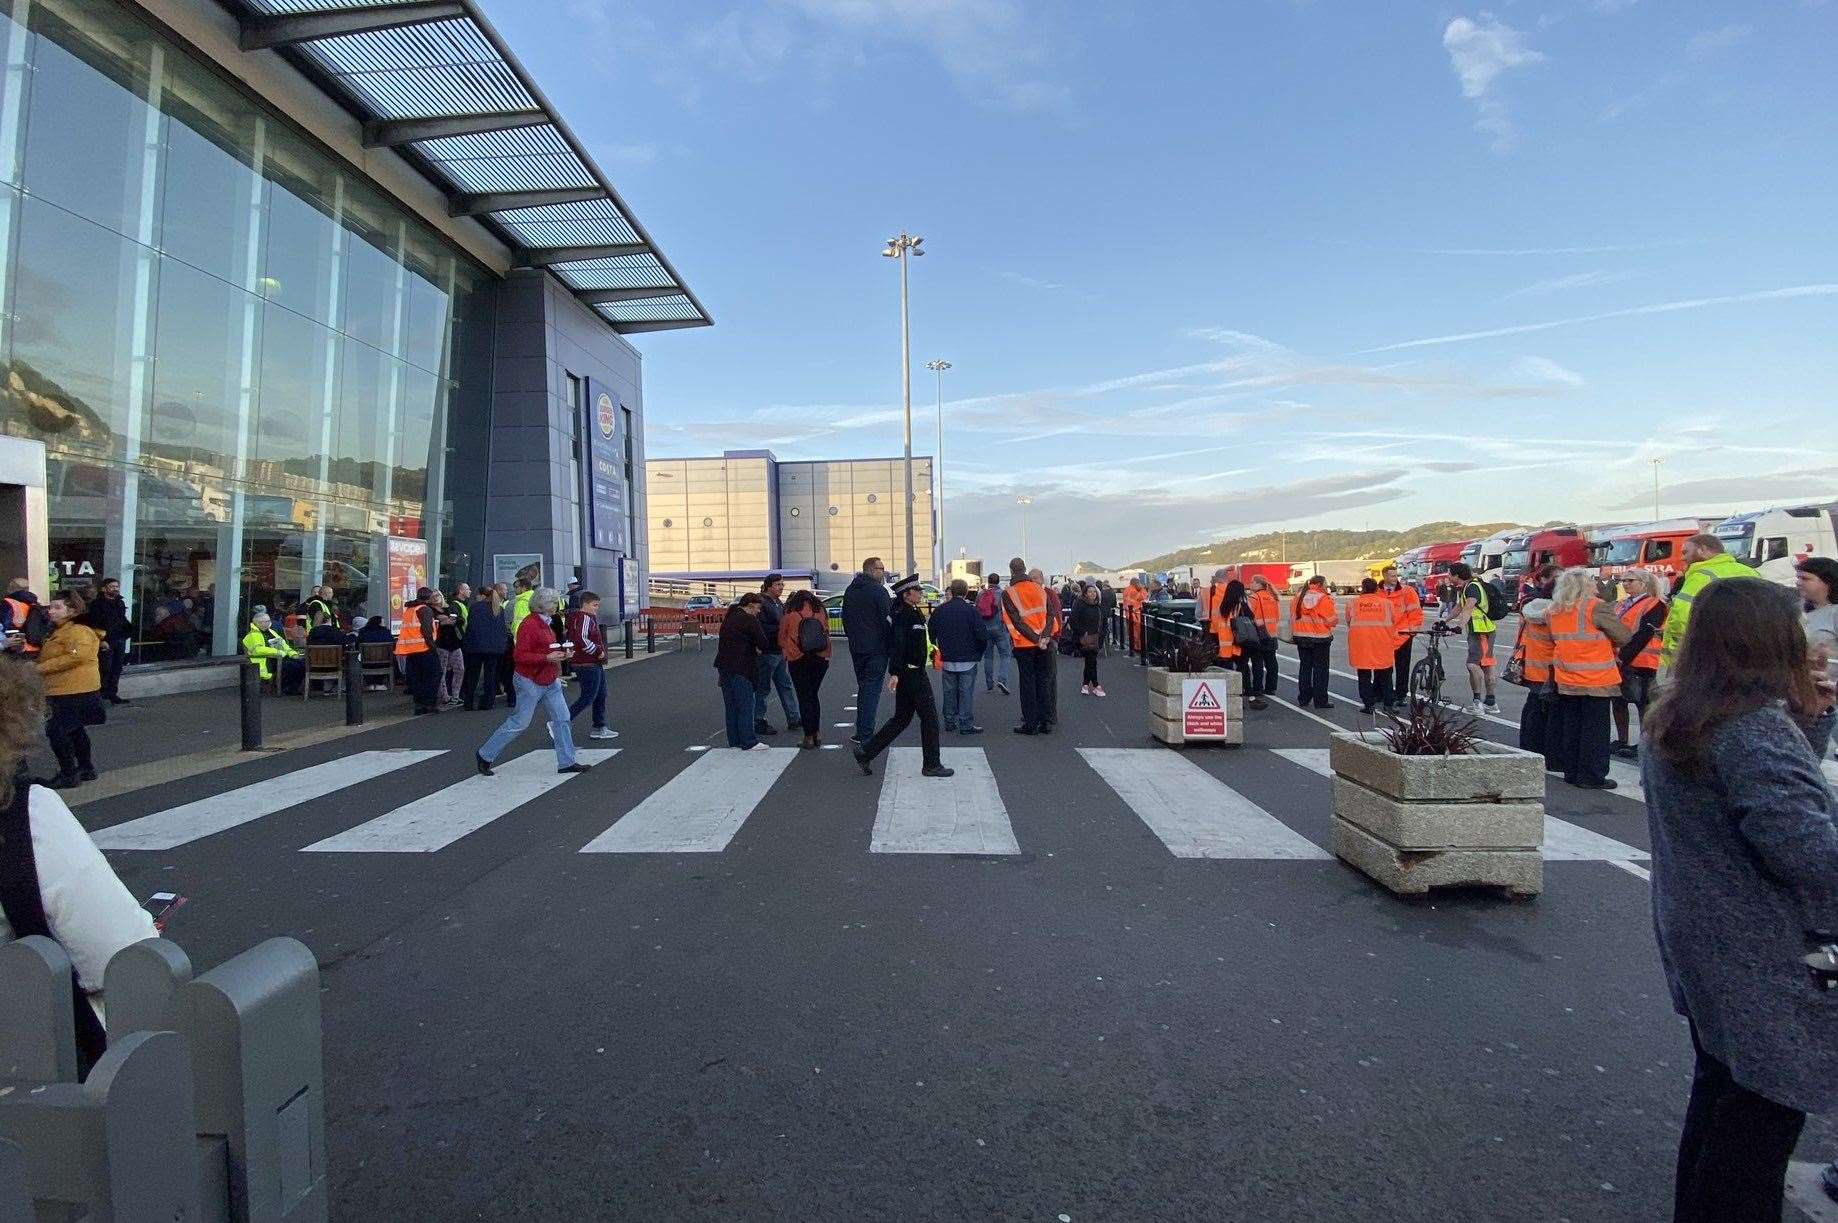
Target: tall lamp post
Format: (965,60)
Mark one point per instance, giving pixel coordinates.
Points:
(1656,463)
(900,248)
(1024,502)
(938,368)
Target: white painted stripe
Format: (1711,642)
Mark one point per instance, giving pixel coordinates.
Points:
(1626,777)
(1194,813)
(941,815)
(1638,872)
(1336,727)
(233,808)
(1461,672)
(1563,841)
(700,809)
(443,817)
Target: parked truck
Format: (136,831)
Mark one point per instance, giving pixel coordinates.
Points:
(1654,546)
(1776,539)
(1342,576)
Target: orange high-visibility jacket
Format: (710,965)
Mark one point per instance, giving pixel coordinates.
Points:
(1133,599)
(1648,658)
(1406,611)
(1265,610)
(409,639)
(1030,601)
(1583,657)
(1222,630)
(1371,635)
(1316,621)
(1535,638)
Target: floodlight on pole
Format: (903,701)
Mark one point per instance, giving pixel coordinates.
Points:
(901,248)
(1024,502)
(938,368)
(1656,466)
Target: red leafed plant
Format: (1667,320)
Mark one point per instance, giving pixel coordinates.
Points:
(1188,657)
(1427,731)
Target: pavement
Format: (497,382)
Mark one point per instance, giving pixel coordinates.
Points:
(777,989)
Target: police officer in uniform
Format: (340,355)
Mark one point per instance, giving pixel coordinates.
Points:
(906,667)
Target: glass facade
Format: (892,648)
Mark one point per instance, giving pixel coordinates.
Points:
(243,360)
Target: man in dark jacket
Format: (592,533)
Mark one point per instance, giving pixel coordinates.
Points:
(866,606)
(907,662)
(773,671)
(957,631)
(107,613)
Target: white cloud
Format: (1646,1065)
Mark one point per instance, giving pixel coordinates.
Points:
(1546,370)
(1576,280)
(1695,303)
(1710,42)
(1480,50)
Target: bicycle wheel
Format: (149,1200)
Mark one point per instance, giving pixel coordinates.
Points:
(1426,681)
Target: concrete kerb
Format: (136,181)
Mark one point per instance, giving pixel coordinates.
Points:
(117,782)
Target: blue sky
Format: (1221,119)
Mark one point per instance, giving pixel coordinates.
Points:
(1204,269)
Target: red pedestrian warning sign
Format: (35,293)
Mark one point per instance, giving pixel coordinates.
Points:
(1202,710)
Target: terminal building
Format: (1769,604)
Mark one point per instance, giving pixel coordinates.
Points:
(718,524)
(304,290)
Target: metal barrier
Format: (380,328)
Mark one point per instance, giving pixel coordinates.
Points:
(209,1104)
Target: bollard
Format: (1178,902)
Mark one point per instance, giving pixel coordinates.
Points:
(38,1040)
(650,635)
(252,1024)
(251,690)
(354,688)
(628,638)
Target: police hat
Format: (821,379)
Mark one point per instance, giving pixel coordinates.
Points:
(909,582)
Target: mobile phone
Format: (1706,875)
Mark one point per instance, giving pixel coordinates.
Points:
(163,905)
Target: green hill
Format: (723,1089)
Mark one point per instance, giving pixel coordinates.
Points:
(1319,545)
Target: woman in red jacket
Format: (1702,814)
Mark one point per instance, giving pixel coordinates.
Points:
(807,666)
(536,660)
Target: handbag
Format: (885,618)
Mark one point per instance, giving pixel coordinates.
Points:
(1089,641)
(1245,631)
(1515,666)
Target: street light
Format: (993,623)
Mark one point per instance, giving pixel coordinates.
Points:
(1656,463)
(899,248)
(1024,502)
(938,466)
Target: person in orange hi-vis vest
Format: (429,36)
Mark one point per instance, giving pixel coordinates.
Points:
(1643,610)
(1406,618)
(1134,596)
(1024,610)
(1261,602)
(1312,617)
(1584,636)
(1372,644)
(1535,650)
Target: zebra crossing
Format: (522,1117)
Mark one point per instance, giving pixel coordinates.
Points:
(701,808)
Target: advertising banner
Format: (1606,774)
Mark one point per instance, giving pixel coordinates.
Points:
(408,569)
(504,565)
(1203,709)
(631,598)
(606,498)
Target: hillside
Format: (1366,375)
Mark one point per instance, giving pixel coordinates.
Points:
(1319,545)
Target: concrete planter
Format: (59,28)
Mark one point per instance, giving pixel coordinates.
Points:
(1165,706)
(1419,822)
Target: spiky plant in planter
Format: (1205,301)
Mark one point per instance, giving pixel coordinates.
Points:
(1189,657)
(1427,731)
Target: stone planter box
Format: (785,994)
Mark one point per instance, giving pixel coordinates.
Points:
(1415,823)
(1165,707)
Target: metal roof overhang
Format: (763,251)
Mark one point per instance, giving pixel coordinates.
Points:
(434,81)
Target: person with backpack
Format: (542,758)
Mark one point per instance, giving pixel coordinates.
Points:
(1372,641)
(1234,626)
(804,639)
(1479,605)
(1262,603)
(999,651)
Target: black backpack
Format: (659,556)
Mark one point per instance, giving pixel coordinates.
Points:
(813,635)
(1493,603)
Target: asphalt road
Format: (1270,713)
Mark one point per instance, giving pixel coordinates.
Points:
(794,1027)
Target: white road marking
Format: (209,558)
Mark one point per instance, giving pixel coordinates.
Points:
(233,808)
(700,809)
(1563,841)
(1455,705)
(1626,777)
(437,820)
(1194,813)
(1336,727)
(941,815)
(697,747)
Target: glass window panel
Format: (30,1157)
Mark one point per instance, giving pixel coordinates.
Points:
(73,306)
(197,382)
(424,328)
(213,196)
(359,430)
(372,238)
(89,83)
(421,397)
(286,439)
(299,263)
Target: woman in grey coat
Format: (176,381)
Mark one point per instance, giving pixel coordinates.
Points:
(1745,884)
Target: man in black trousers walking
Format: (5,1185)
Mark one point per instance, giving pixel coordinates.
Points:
(906,666)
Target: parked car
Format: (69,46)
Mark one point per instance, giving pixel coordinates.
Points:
(699,603)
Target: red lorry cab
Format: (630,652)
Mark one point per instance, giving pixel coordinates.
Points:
(1654,546)
(1526,554)
(1435,563)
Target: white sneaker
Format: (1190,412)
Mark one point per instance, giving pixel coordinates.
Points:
(1084,689)
(1097,690)
(603,733)
(758,747)
(1474,706)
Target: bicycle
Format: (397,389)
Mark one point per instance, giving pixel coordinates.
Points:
(1426,677)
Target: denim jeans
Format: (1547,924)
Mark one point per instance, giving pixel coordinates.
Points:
(960,698)
(996,655)
(529,696)
(870,674)
(737,704)
(773,673)
(593,692)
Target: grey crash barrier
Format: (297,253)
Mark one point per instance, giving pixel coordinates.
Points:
(228,1066)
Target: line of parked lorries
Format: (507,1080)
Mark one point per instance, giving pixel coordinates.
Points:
(1772,540)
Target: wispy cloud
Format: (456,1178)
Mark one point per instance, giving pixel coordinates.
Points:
(1576,280)
(1695,303)
(1747,490)
(1480,51)
(1710,42)
(1546,370)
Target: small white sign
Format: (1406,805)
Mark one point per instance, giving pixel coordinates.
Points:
(1203,708)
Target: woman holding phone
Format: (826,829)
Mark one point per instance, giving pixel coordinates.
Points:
(536,661)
